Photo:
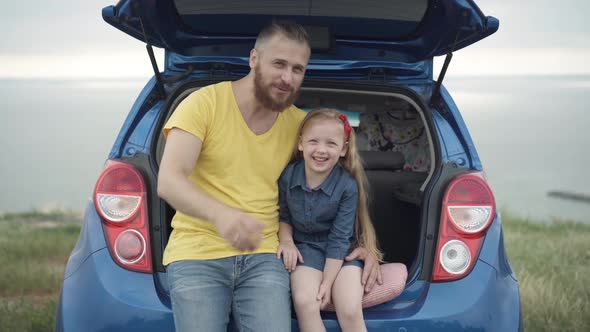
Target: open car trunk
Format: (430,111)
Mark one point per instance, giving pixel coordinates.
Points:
(393,131)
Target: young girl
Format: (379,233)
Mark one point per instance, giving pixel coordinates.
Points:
(323,213)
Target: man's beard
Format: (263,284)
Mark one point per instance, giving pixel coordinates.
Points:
(264,96)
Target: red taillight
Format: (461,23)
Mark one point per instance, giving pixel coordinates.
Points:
(467,211)
(121,201)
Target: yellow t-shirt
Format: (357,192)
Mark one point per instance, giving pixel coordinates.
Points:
(235,166)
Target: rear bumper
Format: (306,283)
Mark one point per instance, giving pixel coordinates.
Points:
(101,296)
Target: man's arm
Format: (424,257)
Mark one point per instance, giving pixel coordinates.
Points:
(371,270)
(180,156)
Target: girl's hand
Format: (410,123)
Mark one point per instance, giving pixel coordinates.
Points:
(324,294)
(290,255)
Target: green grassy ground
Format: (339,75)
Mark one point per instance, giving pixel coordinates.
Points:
(35,248)
(552,263)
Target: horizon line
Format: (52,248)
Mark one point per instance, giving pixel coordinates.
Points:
(147,78)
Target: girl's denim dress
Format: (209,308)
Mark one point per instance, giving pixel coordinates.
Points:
(323,217)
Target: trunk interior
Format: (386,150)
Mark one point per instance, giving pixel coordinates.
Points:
(395,144)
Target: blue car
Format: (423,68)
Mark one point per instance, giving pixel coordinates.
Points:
(430,203)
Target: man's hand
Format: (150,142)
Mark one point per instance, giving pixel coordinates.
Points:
(324,294)
(372,269)
(240,230)
(290,255)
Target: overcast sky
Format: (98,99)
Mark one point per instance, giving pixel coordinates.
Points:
(68,38)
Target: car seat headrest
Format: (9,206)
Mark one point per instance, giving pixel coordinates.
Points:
(382,160)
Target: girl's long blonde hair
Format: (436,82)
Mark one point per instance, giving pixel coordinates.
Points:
(364,232)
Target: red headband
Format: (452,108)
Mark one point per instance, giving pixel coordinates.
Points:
(347,128)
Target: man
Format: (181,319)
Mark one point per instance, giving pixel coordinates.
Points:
(227,145)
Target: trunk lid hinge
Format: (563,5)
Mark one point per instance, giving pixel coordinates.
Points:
(219,70)
(150,51)
(436,90)
(376,74)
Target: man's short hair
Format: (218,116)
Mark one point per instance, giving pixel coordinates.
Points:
(289,29)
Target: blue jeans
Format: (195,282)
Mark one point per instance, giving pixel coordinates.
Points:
(253,288)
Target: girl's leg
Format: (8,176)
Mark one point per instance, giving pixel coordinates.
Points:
(347,294)
(305,283)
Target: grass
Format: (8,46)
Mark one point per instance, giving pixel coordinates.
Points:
(552,262)
(35,247)
(43,216)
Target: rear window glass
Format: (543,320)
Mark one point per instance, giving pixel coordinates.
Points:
(370,19)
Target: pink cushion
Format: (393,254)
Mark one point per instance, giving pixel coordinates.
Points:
(394,282)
